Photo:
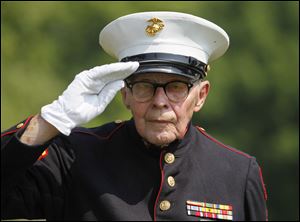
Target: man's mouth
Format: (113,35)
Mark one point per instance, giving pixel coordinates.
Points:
(161,121)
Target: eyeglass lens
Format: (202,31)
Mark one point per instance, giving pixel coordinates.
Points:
(175,91)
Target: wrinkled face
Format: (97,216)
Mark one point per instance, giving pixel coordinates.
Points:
(159,120)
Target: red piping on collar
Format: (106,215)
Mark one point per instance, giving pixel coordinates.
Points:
(15,130)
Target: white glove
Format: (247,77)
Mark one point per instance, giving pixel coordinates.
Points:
(87,96)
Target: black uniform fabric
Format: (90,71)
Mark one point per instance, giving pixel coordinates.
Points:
(109,173)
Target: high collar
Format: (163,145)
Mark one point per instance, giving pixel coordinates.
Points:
(178,147)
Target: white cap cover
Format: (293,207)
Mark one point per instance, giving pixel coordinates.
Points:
(164,33)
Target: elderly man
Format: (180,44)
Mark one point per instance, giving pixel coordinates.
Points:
(156,166)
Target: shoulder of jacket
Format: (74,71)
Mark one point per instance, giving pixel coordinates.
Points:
(222,145)
(103,132)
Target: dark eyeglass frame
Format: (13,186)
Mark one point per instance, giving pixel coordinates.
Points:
(163,85)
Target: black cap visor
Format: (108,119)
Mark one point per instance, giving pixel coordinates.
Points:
(169,64)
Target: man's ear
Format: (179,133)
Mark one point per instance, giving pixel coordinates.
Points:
(203,92)
(125,99)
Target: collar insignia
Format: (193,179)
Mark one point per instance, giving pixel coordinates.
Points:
(209,210)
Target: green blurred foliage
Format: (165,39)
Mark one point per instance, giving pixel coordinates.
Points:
(253,104)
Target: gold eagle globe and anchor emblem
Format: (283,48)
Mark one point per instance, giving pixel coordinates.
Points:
(155,27)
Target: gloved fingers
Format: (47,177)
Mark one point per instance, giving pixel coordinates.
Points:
(93,80)
(113,71)
(108,93)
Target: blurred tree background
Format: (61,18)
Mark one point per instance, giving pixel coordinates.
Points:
(253,104)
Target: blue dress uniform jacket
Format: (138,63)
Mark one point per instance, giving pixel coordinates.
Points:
(109,173)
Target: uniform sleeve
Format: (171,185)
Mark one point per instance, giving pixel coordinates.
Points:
(33,178)
(256,195)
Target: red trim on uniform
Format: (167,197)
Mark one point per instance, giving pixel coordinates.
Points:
(44,154)
(161,184)
(223,145)
(263,184)
(15,130)
(101,137)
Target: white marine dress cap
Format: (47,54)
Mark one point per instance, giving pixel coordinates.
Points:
(165,42)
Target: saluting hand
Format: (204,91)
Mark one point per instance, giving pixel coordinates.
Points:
(87,96)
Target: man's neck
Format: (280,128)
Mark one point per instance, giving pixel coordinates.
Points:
(149,145)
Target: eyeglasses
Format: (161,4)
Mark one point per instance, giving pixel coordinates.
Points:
(176,91)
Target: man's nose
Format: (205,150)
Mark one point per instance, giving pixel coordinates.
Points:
(160,98)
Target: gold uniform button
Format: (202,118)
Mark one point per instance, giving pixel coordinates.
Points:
(171,181)
(20,125)
(169,158)
(164,205)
